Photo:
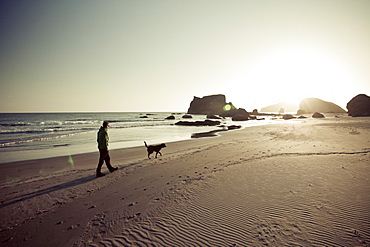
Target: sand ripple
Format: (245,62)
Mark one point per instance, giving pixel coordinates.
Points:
(295,203)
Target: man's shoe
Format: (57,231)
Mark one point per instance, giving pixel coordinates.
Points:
(98,175)
(114,169)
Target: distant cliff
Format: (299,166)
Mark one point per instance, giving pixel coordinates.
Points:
(311,105)
(288,107)
(210,105)
(308,105)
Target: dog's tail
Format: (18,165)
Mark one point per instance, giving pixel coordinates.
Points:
(145,144)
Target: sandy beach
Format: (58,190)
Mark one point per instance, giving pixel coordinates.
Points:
(292,183)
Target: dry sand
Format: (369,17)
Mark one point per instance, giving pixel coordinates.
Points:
(293,183)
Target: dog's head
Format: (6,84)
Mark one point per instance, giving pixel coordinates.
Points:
(163,145)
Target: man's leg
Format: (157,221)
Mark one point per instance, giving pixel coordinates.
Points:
(101,161)
(107,162)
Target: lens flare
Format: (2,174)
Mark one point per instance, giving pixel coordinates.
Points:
(227,107)
(70,161)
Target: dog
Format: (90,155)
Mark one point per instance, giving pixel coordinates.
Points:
(154,148)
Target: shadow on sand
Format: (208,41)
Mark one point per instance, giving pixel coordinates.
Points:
(49,190)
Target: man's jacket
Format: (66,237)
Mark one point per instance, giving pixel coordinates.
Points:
(103,138)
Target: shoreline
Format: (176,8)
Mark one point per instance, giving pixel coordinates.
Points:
(84,142)
(58,201)
(67,149)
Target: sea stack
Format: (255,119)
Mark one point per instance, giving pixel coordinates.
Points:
(359,106)
(210,105)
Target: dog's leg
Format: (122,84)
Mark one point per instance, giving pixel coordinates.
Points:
(157,154)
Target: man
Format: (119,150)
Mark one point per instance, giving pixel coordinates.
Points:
(103,139)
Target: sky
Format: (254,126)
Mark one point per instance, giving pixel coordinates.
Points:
(156,55)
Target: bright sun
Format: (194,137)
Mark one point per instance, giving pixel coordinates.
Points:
(294,74)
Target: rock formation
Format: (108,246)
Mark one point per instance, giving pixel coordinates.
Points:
(234,127)
(216,105)
(288,116)
(235,112)
(359,106)
(300,112)
(318,115)
(210,105)
(311,105)
(199,123)
(239,118)
(239,114)
(255,112)
(213,117)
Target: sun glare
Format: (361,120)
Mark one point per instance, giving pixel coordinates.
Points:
(291,75)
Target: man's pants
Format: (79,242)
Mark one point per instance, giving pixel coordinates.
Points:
(104,156)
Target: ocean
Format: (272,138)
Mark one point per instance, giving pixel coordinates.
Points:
(26,136)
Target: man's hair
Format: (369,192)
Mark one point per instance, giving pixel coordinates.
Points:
(105,124)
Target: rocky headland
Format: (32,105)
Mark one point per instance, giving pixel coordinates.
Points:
(312,105)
